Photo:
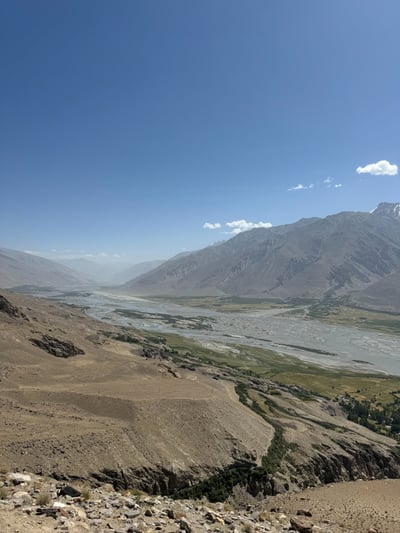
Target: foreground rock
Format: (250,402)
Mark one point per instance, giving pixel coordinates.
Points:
(42,504)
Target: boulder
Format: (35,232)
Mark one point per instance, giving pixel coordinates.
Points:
(67,490)
(57,347)
(18,478)
(301,525)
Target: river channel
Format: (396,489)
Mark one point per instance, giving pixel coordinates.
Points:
(309,340)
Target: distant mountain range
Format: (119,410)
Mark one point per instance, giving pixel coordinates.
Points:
(96,271)
(19,268)
(355,254)
(135,271)
(345,253)
(109,272)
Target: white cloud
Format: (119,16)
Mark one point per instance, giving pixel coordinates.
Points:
(210,225)
(338,185)
(381,168)
(298,187)
(328,180)
(301,187)
(238,226)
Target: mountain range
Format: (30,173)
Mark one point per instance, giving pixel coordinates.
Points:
(20,268)
(343,254)
(352,254)
(110,272)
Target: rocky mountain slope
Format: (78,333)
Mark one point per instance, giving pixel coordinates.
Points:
(19,268)
(384,294)
(313,258)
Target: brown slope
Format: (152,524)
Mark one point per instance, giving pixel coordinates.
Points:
(111,409)
(111,414)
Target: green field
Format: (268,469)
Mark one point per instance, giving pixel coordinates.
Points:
(334,313)
(227,304)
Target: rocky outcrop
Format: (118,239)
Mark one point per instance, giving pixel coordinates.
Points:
(356,462)
(43,504)
(161,481)
(57,347)
(9,309)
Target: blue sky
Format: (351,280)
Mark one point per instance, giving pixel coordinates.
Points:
(126,126)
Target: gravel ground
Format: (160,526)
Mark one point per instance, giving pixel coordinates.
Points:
(357,506)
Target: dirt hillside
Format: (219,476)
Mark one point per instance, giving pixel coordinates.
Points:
(109,408)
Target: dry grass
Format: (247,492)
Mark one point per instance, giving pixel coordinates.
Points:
(43,498)
(85,494)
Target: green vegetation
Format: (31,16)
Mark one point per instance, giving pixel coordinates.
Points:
(136,493)
(304,379)
(373,415)
(43,498)
(122,337)
(176,321)
(336,312)
(219,486)
(356,391)
(85,494)
(227,304)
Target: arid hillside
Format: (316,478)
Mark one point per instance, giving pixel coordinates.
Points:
(109,409)
(84,400)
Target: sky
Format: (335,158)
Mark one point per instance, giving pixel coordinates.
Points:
(135,130)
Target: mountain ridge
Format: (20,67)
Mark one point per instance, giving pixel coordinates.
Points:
(311,259)
(21,268)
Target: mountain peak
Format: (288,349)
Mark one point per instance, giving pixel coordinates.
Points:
(387,209)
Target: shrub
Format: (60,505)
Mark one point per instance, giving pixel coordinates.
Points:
(43,498)
(136,493)
(85,494)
